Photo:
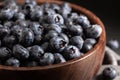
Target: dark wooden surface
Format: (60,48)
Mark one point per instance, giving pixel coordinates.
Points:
(79,69)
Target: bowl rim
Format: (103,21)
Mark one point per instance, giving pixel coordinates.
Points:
(85,11)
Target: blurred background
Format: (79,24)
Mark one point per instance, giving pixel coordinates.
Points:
(108,11)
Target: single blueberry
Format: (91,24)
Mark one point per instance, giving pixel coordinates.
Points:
(86,47)
(8,24)
(55,7)
(37,39)
(75,30)
(27,37)
(4,31)
(12,62)
(64,36)
(10,2)
(71,52)
(58,43)
(65,9)
(54,19)
(36,52)
(83,21)
(94,31)
(55,27)
(45,46)
(6,14)
(5,53)
(20,52)
(16,30)
(51,34)
(32,2)
(10,41)
(19,15)
(59,58)
(47,59)
(109,73)
(36,28)
(22,23)
(90,41)
(113,44)
(77,41)
(36,14)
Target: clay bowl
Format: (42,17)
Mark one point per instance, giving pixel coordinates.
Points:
(83,68)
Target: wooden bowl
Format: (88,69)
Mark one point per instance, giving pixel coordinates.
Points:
(83,68)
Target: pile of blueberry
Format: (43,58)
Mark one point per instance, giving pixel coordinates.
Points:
(46,34)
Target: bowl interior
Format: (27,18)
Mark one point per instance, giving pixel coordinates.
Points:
(91,16)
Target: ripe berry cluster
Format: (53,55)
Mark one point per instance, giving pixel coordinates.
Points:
(46,34)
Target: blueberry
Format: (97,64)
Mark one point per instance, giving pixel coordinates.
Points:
(48,11)
(19,15)
(75,30)
(16,30)
(6,14)
(71,52)
(45,5)
(55,7)
(86,47)
(20,52)
(47,59)
(10,2)
(90,41)
(36,28)
(113,44)
(32,2)
(22,23)
(13,62)
(29,48)
(63,26)
(45,46)
(31,64)
(38,7)
(37,39)
(36,14)
(4,31)
(59,58)
(94,31)
(29,7)
(51,34)
(36,52)
(65,37)
(88,44)
(55,27)
(14,8)
(109,73)
(83,21)
(5,53)
(10,41)
(69,22)
(65,9)
(8,24)
(27,37)
(54,19)
(58,43)
(77,41)
(73,16)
